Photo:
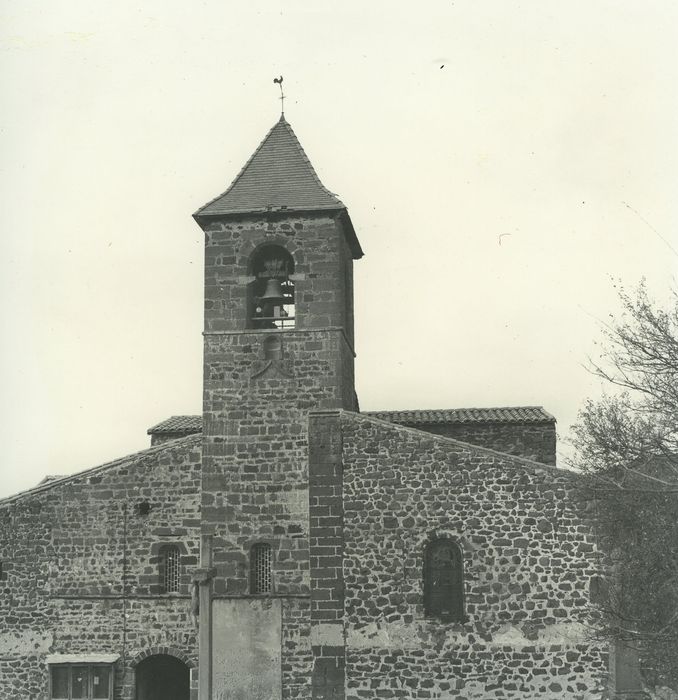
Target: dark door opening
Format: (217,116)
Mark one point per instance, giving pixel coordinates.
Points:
(163,677)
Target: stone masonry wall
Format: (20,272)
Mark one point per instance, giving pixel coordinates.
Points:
(82,567)
(528,553)
(255,410)
(323,266)
(162,438)
(536,441)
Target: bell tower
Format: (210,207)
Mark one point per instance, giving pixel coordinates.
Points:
(278,342)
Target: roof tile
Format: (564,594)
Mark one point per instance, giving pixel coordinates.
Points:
(178,424)
(501,414)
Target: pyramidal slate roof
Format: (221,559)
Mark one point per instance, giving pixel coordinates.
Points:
(277,176)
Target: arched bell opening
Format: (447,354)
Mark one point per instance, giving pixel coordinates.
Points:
(163,677)
(271,303)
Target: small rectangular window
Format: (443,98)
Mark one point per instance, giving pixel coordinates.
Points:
(81,681)
(170,570)
(260,572)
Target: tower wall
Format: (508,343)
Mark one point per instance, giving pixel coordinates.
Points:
(255,415)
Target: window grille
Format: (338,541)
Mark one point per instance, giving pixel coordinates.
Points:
(260,562)
(170,572)
(444,580)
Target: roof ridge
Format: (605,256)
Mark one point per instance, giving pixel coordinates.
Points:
(99,468)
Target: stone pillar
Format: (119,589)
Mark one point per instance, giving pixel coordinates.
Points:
(203,579)
(326,513)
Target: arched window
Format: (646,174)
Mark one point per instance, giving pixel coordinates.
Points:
(260,568)
(444,580)
(272,292)
(169,568)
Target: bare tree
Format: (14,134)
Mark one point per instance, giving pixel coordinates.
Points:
(627,442)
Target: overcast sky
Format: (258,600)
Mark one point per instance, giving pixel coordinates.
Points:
(504,164)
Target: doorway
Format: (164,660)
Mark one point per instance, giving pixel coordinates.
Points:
(163,677)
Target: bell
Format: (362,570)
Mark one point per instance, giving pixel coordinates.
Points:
(273,294)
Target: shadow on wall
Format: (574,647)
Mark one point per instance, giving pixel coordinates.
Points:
(162,677)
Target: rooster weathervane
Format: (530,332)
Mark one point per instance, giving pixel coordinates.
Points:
(279,82)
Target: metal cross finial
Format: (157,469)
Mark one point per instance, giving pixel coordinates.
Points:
(279,81)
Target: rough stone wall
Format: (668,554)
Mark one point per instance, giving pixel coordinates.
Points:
(255,410)
(323,266)
(528,555)
(536,441)
(296,647)
(82,567)
(162,438)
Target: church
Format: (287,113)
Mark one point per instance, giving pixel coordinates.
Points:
(286,545)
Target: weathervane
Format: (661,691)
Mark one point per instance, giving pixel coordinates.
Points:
(282,95)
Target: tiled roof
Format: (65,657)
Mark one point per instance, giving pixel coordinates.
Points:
(178,424)
(277,176)
(504,414)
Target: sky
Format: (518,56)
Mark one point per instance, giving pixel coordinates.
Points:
(506,165)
